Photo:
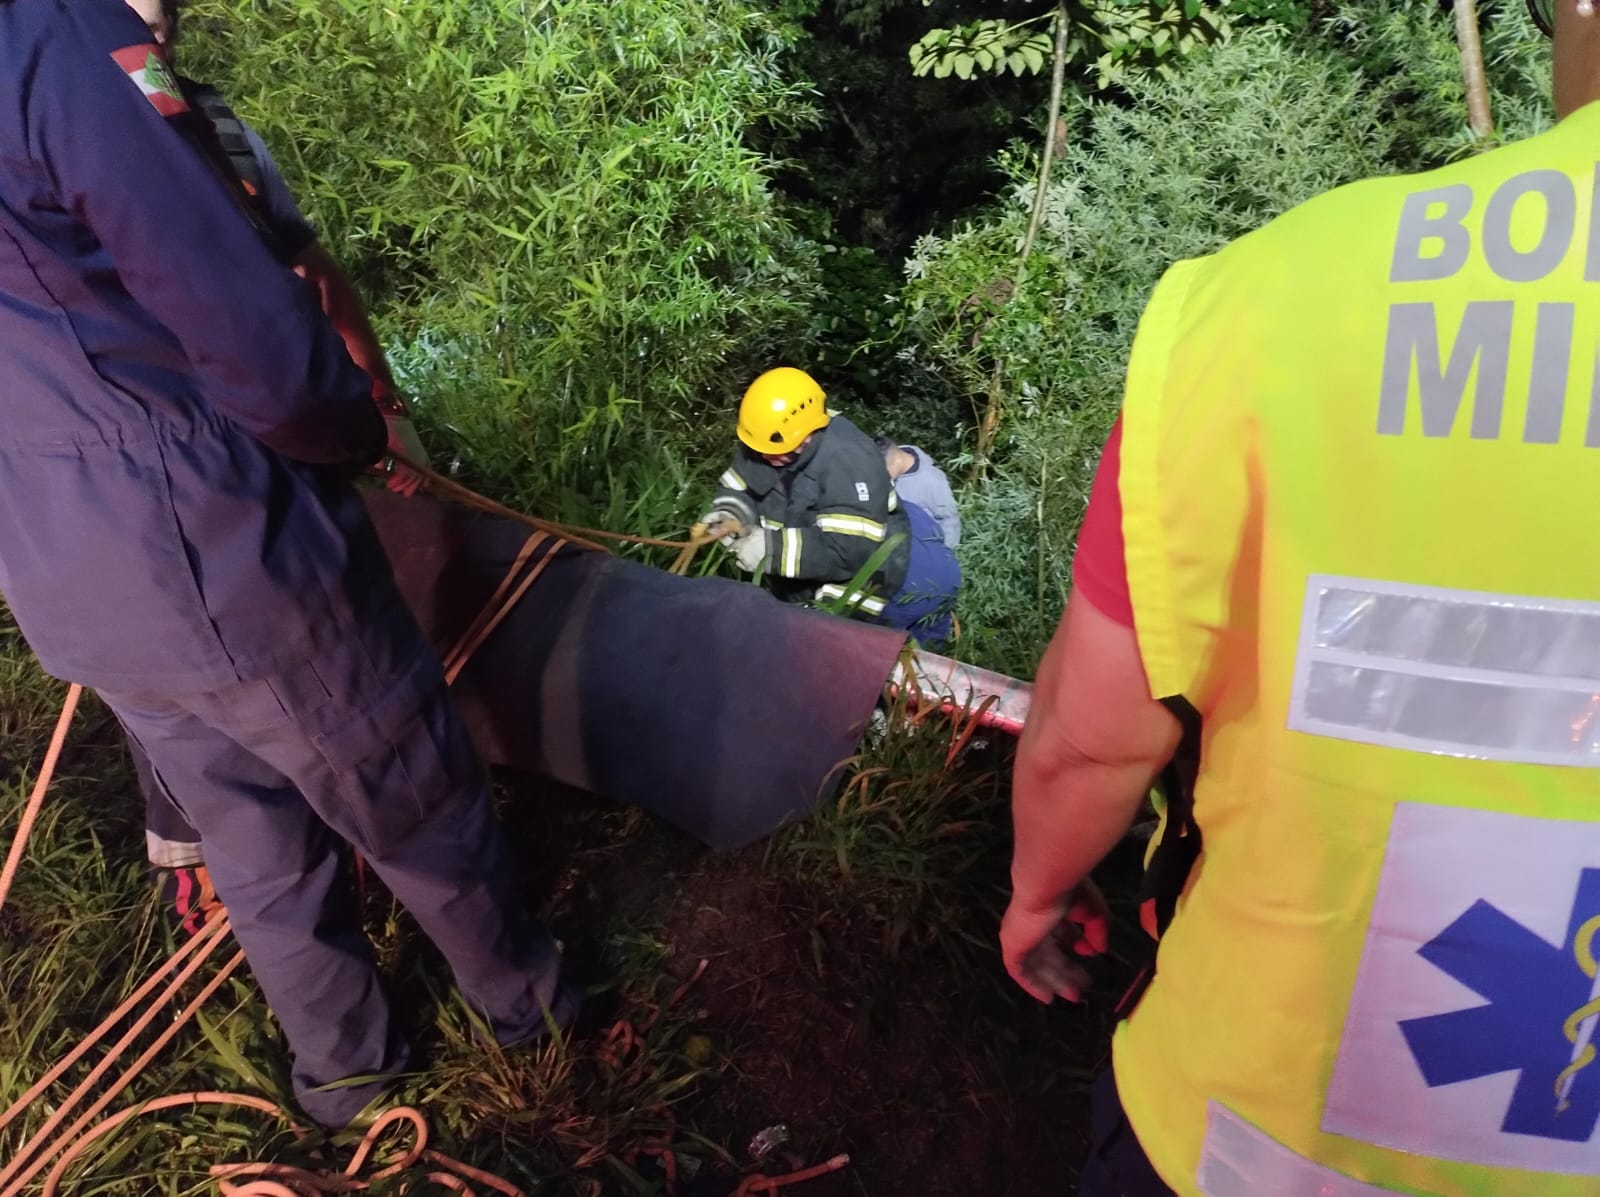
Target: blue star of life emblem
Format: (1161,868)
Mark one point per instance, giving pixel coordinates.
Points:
(1540,1019)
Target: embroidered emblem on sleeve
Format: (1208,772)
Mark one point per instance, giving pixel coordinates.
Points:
(147,68)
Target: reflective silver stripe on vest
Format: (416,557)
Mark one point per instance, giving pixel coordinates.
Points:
(1237,1160)
(1457,672)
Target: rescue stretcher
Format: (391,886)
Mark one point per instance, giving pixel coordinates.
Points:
(703,700)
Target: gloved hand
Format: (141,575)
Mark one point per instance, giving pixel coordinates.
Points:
(721,523)
(401,439)
(750,549)
(1039,945)
(730,517)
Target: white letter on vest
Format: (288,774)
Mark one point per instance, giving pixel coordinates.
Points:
(1561,205)
(1547,388)
(1416,226)
(1592,273)
(1592,441)
(1484,338)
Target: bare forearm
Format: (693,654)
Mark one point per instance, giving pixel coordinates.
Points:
(1067,815)
(1094,740)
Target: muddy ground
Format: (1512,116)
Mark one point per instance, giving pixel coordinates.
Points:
(922,1063)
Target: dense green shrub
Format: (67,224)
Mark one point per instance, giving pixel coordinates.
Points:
(1175,169)
(553,208)
(1406,51)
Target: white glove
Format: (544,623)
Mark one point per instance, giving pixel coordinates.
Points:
(722,523)
(750,549)
(730,517)
(403,439)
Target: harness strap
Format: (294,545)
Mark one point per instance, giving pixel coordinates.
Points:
(1171,861)
(506,596)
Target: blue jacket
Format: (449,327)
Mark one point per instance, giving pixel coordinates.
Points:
(171,398)
(925,485)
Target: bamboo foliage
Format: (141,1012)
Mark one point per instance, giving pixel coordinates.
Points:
(552,204)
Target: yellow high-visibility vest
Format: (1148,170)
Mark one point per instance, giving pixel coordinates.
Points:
(1360,483)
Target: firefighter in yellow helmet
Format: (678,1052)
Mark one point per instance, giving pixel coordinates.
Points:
(1380,976)
(809,503)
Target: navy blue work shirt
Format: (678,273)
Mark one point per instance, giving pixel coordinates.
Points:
(171,397)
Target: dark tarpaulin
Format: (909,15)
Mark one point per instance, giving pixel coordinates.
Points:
(703,700)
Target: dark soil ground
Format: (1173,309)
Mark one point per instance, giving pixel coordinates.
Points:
(918,1059)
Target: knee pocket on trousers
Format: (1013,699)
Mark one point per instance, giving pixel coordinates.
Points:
(401,762)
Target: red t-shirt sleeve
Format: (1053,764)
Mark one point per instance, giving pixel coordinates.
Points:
(1100,569)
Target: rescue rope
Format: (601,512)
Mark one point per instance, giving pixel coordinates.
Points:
(30,812)
(500,603)
(264,1180)
(465,495)
(585,537)
(285,1180)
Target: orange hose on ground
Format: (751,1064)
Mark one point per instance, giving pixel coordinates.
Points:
(18,1172)
(283,1180)
(35,800)
(204,936)
(771,1184)
(19,1175)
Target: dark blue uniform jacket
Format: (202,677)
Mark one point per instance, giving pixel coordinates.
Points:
(178,422)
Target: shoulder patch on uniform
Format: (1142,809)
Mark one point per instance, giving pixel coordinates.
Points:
(147,67)
(862,492)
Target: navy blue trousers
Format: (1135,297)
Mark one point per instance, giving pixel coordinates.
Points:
(1117,1165)
(925,603)
(363,746)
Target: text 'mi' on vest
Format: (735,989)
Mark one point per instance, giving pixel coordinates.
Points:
(1524,231)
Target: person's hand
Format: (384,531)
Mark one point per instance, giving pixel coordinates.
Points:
(730,516)
(750,549)
(1040,945)
(403,440)
(721,523)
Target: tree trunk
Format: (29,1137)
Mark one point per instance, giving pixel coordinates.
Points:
(1054,133)
(1472,73)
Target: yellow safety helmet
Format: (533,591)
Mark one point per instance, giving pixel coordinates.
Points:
(781,409)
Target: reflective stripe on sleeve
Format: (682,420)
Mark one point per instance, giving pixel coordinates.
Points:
(789,566)
(172,854)
(866,602)
(852,525)
(730,479)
